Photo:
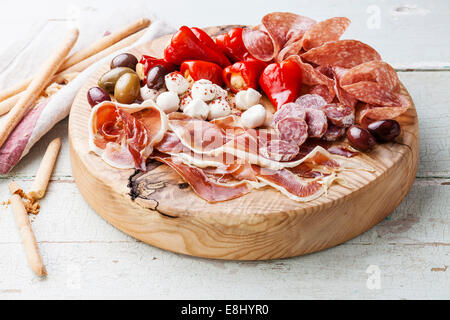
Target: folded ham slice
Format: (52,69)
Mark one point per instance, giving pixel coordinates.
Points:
(124,135)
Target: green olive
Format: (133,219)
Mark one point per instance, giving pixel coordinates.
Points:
(109,79)
(127,88)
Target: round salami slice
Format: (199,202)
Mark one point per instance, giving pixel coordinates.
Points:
(293,130)
(317,123)
(375,71)
(325,31)
(333,133)
(322,91)
(343,96)
(340,115)
(341,53)
(373,93)
(259,44)
(290,109)
(279,150)
(313,101)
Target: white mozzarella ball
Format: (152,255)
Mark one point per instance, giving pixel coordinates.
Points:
(254,117)
(175,82)
(149,94)
(218,108)
(204,90)
(247,98)
(185,99)
(220,92)
(168,101)
(197,109)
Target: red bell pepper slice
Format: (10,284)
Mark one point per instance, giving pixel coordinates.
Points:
(148,62)
(205,38)
(186,46)
(281,82)
(243,75)
(198,69)
(232,45)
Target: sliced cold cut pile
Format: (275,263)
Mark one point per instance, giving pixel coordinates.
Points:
(375,71)
(325,31)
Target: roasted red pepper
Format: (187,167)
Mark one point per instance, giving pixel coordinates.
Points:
(147,62)
(281,82)
(232,45)
(197,69)
(186,46)
(205,38)
(243,75)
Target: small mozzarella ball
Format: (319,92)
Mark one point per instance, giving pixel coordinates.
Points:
(175,82)
(218,108)
(247,98)
(204,90)
(252,97)
(197,109)
(254,117)
(149,94)
(220,92)
(168,101)
(185,99)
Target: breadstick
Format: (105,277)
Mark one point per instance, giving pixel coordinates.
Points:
(8,104)
(28,238)
(45,170)
(36,86)
(80,56)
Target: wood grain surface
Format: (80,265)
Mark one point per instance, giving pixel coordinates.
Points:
(263,224)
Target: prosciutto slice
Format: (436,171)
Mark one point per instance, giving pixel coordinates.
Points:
(124,136)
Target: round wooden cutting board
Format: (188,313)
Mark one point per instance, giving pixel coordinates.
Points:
(263,224)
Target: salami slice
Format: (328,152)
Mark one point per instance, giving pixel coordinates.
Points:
(325,31)
(375,71)
(373,93)
(343,96)
(293,130)
(279,150)
(381,113)
(313,101)
(341,53)
(321,90)
(317,122)
(333,133)
(339,115)
(290,109)
(281,29)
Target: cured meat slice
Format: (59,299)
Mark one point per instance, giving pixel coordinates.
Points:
(339,115)
(313,101)
(333,133)
(373,93)
(323,91)
(288,183)
(381,113)
(325,31)
(124,136)
(343,96)
(375,71)
(203,186)
(317,122)
(293,130)
(341,53)
(279,29)
(279,150)
(290,109)
(311,76)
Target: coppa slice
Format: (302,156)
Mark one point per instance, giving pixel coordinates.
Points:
(124,136)
(341,53)
(325,31)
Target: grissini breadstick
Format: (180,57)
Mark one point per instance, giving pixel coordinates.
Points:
(28,238)
(45,170)
(80,56)
(9,103)
(36,86)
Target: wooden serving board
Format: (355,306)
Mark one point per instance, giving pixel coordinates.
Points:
(263,224)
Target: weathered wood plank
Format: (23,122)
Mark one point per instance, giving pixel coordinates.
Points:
(412,35)
(131,270)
